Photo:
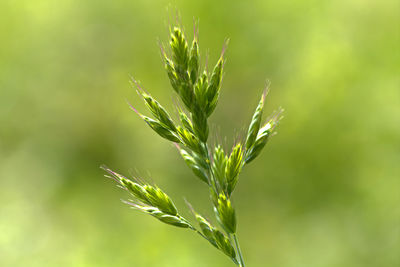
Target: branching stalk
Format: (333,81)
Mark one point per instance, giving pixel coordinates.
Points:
(199,92)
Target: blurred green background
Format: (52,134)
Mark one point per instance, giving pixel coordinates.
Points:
(325,192)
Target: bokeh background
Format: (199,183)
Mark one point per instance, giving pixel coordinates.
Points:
(325,192)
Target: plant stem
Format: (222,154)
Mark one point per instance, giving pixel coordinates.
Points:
(239,252)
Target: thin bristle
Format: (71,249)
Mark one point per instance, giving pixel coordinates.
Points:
(130,203)
(134,109)
(122,187)
(162,49)
(136,83)
(195,29)
(225,47)
(112,178)
(189,206)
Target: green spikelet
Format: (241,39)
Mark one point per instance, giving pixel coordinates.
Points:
(190,140)
(263,135)
(215,237)
(200,125)
(226,214)
(200,91)
(158,111)
(224,244)
(159,199)
(219,166)
(255,124)
(161,130)
(186,122)
(173,78)
(233,167)
(214,87)
(197,169)
(180,52)
(136,190)
(194,62)
(207,229)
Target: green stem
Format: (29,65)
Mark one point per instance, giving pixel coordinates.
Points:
(239,252)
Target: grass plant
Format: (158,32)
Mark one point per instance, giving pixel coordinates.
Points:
(198,90)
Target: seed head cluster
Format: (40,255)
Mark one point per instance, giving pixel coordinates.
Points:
(199,91)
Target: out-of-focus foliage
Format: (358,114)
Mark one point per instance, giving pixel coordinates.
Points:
(325,192)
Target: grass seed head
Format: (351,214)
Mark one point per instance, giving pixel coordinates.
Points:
(263,135)
(180,51)
(224,244)
(186,122)
(255,124)
(207,229)
(158,111)
(198,170)
(233,167)
(200,124)
(215,237)
(200,91)
(136,190)
(169,67)
(194,61)
(161,130)
(226,213)
(199,94)
(219,166)
(214,87)
(160,200)
(190,140)
(186,94)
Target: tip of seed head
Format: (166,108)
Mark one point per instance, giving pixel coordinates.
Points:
(224,47)
(176,30)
